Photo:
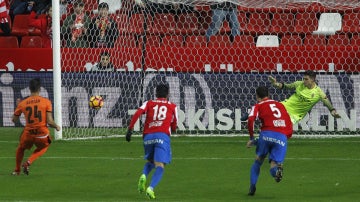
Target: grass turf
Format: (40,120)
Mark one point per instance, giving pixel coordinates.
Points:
(203,169)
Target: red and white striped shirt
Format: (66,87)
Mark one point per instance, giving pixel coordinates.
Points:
(3,12)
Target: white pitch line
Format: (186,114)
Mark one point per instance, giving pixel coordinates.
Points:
(191,158)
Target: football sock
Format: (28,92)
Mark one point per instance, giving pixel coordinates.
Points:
(254,172)
(273,171)
(157,176)
(19,157)
(37,153)
(148,167)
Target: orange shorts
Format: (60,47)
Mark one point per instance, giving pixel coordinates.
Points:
(40,141)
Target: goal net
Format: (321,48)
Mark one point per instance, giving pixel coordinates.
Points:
(213,55)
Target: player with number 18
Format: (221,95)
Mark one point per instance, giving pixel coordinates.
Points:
(161,120)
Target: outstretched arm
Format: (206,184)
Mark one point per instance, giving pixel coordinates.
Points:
(283,85)
(332,110)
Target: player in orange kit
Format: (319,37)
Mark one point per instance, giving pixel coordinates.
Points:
(38,114)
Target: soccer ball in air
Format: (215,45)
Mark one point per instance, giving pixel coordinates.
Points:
(96,102)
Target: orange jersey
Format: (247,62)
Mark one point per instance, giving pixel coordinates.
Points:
(35,108)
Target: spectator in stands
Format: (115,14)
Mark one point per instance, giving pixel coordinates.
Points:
(75,27)
(220,12)
(4,17)
(26,6)
(103,30)
(104,64)
(43,22)
(63,7)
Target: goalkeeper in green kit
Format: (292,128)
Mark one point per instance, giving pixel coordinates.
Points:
(306,95)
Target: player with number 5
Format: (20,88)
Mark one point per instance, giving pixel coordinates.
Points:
(276,128)
(161,120)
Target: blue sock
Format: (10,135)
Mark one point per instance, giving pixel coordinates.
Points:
(148,167)
(255,172)
(157,176)
(273,171)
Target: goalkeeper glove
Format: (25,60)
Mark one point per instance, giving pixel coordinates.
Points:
(128,135)
(275,83)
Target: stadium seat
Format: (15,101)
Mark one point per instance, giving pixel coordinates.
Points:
(31,42)
(195,41)
(291,40)
(305,23)
(242,18)
(9,42)
(355,40)
(187,23)
(219,41)
(173,40)
(258,23)
(127,41)
(122,22)
(20,25)
(267,41)
(351,23)
(282,23)
(243,41)
(163,23)
(329,23)
(315,40)
(151,41)
(338,40)
(136,23)
(204,21)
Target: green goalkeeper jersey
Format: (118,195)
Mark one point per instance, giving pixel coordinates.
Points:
(302,101)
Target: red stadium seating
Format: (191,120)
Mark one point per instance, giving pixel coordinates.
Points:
(31,42)
(355,40)
(136,23)
(122,22)
(244,41)
(315,40)
(127,41)
(338,40)
(258,23)
(351,23)
(282,23)
(151,41)
(195,41)
(163,23)
(204,21)
(20,25)
(173,40)
(187,24)
(9,42)
(242,18)
(219,41)
(291,40)
(305,23)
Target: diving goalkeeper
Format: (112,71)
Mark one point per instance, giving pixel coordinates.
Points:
(306,95)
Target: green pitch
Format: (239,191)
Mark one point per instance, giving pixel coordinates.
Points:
(203,169)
